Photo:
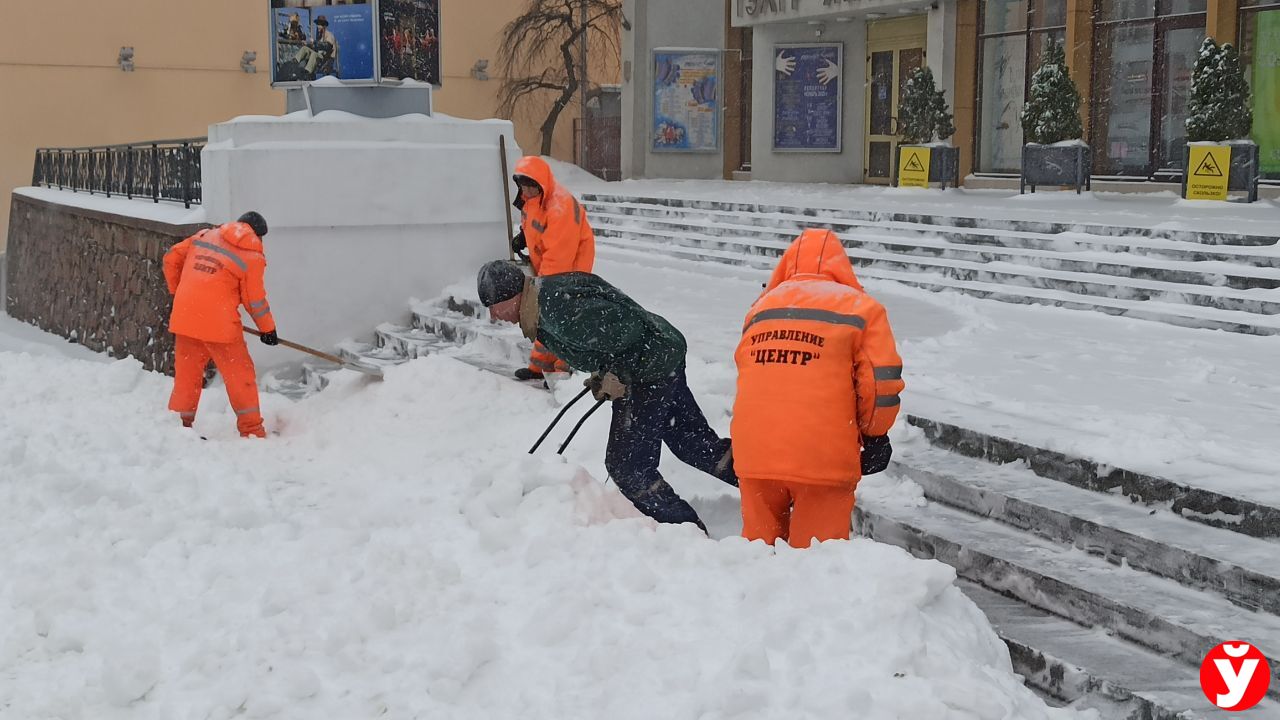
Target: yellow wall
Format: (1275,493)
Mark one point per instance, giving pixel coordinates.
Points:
(60,85)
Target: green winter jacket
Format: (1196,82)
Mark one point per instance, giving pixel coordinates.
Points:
(595,327)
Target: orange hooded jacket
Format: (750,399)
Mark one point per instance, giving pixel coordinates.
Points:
(817,370)
(211,274)
(555,224)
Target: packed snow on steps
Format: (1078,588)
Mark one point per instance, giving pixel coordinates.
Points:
(396,553)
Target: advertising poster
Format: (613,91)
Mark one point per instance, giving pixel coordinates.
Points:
(807,97)
(313,39)
(1266,92)
(686,104)
(410,38)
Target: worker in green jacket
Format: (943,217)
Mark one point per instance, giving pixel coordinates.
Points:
(636,360)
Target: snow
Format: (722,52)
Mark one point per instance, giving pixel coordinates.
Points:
(19,337)
(1146,211)
(384,556)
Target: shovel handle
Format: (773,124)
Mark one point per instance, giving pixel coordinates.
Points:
(301,348)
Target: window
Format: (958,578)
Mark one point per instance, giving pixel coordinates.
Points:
(1260,58)
(1011,40)
(1143,54)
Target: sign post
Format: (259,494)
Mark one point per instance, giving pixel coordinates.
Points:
(1208,171)
(913,166)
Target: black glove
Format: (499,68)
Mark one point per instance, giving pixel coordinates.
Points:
(518,243)
(876,452)
(269,338)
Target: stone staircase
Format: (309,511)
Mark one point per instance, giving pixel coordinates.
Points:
(1211,280)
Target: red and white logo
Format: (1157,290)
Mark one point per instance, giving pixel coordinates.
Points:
(1235,675)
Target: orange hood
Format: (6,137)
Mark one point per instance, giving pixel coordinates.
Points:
(241,235)
(817,253)
(532,166)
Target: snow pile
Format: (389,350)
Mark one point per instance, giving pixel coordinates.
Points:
(394,553)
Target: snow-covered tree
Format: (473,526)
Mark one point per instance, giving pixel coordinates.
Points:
(923,110)
(1052,112)
(1219,105)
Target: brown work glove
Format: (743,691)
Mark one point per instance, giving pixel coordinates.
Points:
(606,386)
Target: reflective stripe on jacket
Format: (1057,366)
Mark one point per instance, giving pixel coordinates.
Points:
(817,370)
(211,274)
(555,224)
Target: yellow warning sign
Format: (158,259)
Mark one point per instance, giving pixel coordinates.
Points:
(913,167)
(1210,170)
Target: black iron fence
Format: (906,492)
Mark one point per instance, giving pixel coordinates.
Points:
(155,170)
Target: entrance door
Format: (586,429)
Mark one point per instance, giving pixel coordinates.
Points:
(895,49)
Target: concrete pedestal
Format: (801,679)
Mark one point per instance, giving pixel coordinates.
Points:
(364,214)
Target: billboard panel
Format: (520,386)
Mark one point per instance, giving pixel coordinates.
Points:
(410,39)
(314,39)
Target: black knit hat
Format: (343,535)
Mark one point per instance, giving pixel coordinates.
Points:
(255,220)
(499,281)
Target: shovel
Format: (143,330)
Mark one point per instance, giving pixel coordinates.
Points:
(366,369)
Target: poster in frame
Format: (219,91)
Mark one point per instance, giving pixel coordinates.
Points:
(808,97)
(314,39)
(686,100)
(409,40)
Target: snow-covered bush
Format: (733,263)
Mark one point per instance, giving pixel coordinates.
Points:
(1219,105)
(1052,112)
(923,110)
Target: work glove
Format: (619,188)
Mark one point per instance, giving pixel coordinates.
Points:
(606,386)
(269,338)
(518,243)
(876,452)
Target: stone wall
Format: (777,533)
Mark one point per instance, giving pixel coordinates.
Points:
(92,277)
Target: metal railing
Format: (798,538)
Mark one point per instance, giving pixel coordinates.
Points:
(155,170)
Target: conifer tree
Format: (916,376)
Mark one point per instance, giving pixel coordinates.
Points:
(1052,112)
(923,110)
(1219,105)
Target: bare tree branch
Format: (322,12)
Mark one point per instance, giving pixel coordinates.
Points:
(546,36)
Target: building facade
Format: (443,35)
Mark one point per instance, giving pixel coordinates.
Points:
(62,82)
(810,88)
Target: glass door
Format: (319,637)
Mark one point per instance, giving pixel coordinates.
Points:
(892,57)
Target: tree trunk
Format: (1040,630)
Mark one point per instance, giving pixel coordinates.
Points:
(549,125)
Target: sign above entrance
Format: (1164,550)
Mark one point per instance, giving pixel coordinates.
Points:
(759,12)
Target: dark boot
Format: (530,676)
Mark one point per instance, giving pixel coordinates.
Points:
(525,373)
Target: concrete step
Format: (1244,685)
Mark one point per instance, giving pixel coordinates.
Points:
(1206,507)
(675,205)
(1242,569)
(1260,301)
(1091,669)
(1167,312)
(1151,611)
(1062,256)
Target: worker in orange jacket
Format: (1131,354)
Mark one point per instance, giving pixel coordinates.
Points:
(555,229)
(819,379)
(210,275)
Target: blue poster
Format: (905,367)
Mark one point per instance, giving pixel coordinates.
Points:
(686,105)
(315,40)
(807,97)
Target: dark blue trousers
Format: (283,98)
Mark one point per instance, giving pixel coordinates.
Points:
(649,416)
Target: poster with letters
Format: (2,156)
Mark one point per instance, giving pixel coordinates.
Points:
(807,97)
(686,100)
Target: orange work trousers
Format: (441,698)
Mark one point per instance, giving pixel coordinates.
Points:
(543,361)
(796,512)
(236,367)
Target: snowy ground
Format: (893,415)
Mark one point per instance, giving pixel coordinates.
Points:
(393,552)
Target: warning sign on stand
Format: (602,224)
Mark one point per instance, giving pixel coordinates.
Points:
(913,167)
(1210,169)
